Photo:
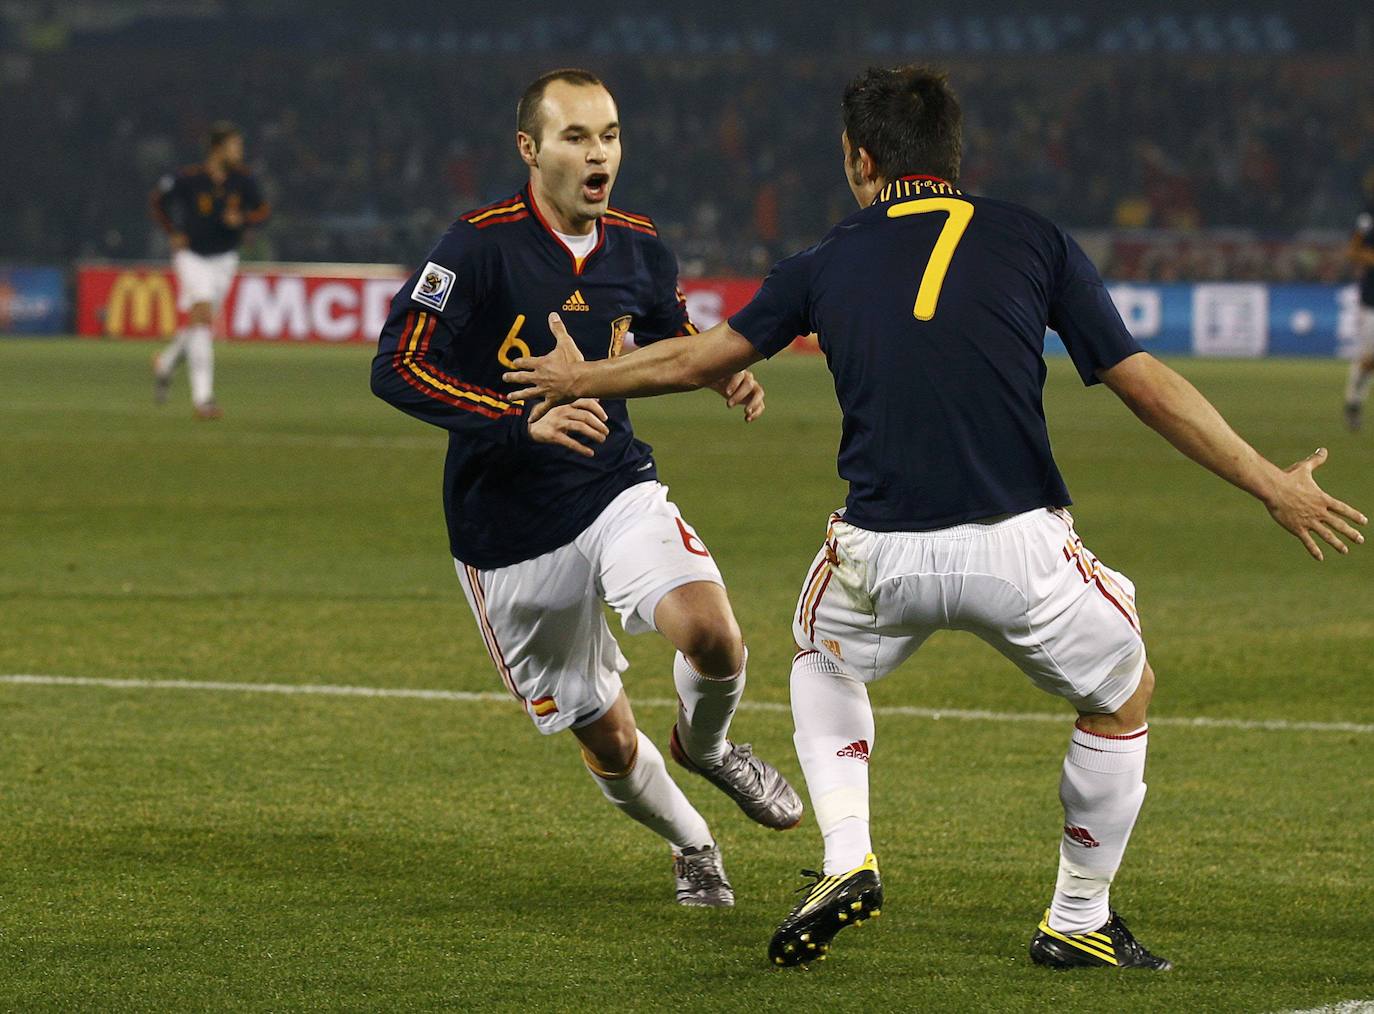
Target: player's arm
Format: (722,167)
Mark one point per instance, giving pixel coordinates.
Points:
(160,205)
(665,367)
(775,316)
(1102,349)
(668,318)
(256,208)
(1175,409)
(410,370)
(1359,252)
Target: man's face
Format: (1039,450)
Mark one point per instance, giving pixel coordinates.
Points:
(579,149)
(231,151)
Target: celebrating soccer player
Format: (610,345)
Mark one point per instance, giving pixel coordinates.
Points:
(204,209)
(548,517)
(931,306)
(1362,363)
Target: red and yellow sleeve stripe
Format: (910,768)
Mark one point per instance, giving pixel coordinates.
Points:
(409,362)
(637,223)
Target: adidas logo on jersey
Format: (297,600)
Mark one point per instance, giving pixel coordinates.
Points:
(857,749)
(576,302)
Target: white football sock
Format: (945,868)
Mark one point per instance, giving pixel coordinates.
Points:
(200,360)
(1357,383)
(168,358)
(704,709)
(1102,788)
(647,794)
(834,736)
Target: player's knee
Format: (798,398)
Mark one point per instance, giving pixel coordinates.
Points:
(713,644)
(200,313)
(613,753)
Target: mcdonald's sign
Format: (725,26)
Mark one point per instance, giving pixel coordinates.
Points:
(125,301)
(141,302)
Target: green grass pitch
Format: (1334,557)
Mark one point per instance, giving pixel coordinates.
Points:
(180,849)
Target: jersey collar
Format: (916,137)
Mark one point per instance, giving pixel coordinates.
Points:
(577,265)
(916,186)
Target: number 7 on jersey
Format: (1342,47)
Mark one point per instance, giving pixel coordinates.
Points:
(960,213)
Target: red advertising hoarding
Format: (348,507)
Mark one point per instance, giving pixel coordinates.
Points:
(297,302)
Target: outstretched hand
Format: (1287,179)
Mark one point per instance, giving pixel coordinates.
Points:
(1304,508)
(549,377)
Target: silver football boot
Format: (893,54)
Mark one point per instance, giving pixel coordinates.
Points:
(701,879)
(758,788)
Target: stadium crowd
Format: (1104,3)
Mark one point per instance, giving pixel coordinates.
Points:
(365,154)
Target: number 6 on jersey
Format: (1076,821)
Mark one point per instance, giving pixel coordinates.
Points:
(960,213)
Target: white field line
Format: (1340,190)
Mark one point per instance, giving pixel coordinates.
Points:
(1344,1007)
(903,711)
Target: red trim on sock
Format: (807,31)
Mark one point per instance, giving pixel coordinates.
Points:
(804,651)
(1105,735)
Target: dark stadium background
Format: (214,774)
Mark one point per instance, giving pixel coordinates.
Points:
(372,125)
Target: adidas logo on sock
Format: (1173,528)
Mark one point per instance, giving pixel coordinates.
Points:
(857,749)
(1081,835)
(576,302)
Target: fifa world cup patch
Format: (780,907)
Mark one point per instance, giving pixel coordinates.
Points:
(434,286)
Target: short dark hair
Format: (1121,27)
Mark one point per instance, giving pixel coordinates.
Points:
(527,118)
(908,121)
(220,131)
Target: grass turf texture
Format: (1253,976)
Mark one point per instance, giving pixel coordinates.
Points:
(192,850)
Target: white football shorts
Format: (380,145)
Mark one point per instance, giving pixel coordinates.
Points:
(203,278)
(1025,584)
(542,619)
(1364,346)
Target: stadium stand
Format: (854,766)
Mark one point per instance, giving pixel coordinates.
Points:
(370,139)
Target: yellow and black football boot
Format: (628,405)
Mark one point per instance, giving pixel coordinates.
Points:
(1112,946)
(831,904)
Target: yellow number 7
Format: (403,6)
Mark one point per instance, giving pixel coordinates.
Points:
(960,213)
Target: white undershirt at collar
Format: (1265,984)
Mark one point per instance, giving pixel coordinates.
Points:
(579,245)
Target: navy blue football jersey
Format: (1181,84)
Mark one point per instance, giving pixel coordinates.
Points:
(1364,229)
(191,202)
(481,301)
(931,307)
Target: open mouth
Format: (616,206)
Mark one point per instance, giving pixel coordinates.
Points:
(596,187)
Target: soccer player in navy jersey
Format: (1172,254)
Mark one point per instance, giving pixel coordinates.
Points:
(548,517)
(204,210)
(931,307)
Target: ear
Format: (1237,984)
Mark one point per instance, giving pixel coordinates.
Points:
(868,169)
(528,148)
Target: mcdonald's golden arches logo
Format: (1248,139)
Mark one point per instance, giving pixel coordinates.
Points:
(141,303)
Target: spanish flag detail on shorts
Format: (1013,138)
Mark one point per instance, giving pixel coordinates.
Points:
(541,706)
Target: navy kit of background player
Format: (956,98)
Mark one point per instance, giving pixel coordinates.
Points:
(547,518)
(1362,362)
(204,210)
(931,307)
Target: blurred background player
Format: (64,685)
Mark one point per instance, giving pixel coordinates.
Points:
(1362,362)
(204,210)
(931,306)
(547,518)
